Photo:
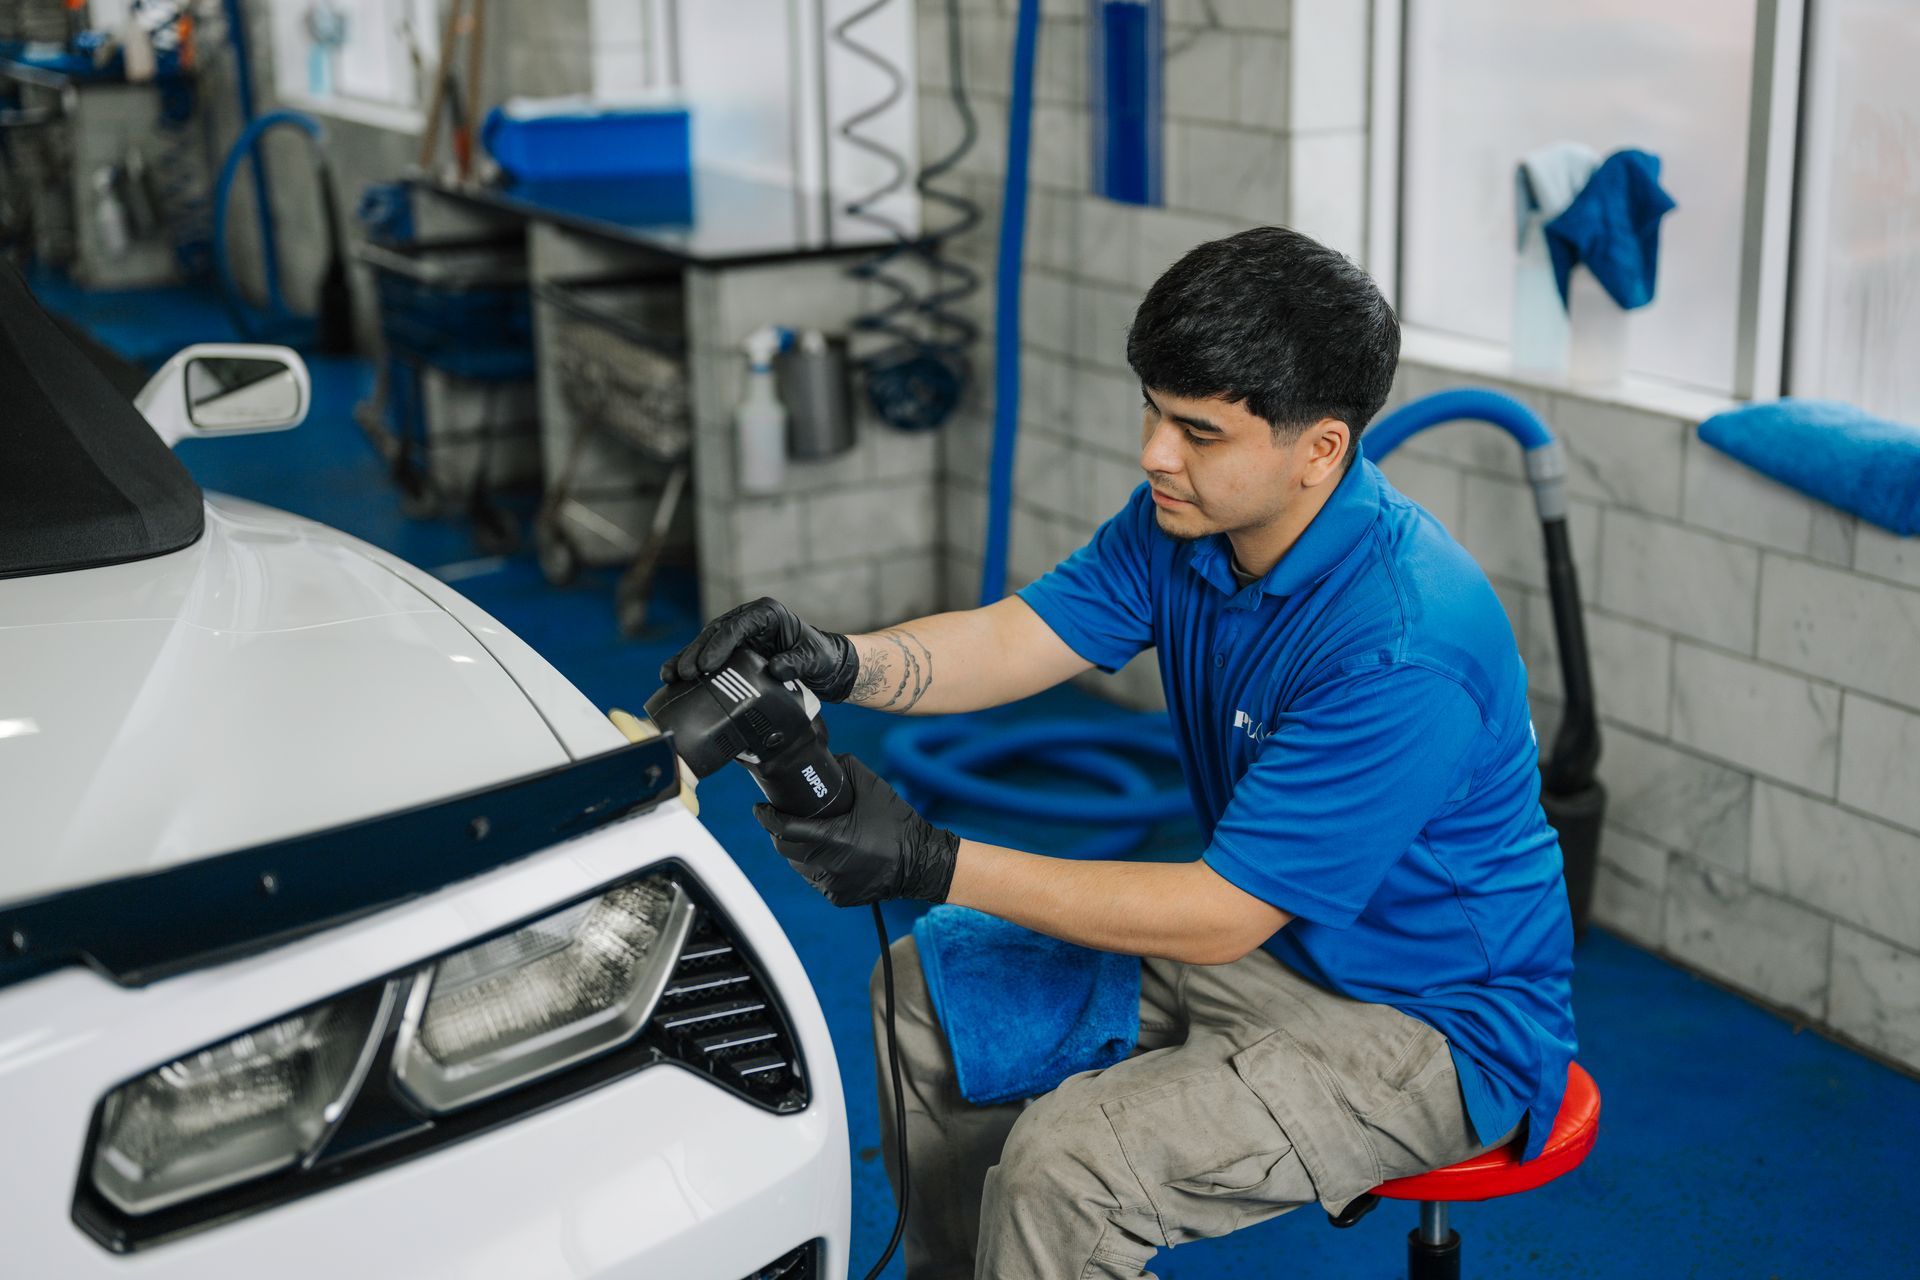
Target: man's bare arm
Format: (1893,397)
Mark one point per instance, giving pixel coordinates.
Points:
(1175,910)
(962,661)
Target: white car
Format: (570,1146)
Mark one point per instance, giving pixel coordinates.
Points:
(339,933)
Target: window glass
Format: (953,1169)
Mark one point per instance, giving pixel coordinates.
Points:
(1490,80)
(344,52)
(1857,295)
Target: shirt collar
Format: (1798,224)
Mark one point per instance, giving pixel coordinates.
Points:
(1327,540)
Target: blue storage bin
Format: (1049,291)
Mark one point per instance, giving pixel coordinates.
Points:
(626,142)
(459,305)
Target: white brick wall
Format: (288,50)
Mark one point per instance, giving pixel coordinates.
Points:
(1756,661)
(856,536)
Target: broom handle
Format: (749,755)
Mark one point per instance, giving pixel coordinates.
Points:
(430,140)
(476,36)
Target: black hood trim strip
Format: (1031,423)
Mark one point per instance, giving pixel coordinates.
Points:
(139,929)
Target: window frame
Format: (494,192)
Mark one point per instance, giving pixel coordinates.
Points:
(1765,318)
(407,119)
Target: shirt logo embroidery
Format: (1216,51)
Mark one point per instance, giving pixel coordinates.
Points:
(1249,726)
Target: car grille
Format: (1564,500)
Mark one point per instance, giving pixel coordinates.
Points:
(717,1016)
(802,1264)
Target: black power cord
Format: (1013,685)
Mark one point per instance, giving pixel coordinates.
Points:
(915,383)
(938,307)
(899,1099)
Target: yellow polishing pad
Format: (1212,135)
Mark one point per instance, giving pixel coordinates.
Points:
(638,730)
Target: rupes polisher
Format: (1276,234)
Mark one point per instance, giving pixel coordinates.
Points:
(773,727)
(740,712)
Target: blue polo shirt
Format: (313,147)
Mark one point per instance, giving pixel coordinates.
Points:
(1355,734)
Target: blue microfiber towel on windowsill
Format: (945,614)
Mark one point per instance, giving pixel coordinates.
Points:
(1613,228)
(1835,452)
(1023,1011)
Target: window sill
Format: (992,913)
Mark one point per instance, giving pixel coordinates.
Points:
(380,115)
(1488,360)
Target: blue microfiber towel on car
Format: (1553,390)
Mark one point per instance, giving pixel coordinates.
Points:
(1836,452)
(1023,1011)
(1613,228)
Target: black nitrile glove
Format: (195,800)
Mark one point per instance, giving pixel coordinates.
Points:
(877,850)
(824,661)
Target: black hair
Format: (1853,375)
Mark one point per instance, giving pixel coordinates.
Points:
(1272,320)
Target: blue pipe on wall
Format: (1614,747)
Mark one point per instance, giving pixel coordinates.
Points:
(1006,303)
(243,146)
(262,206)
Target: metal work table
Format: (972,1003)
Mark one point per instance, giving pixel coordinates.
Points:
(75,121)
(745,254)
(711,218)
(55,74)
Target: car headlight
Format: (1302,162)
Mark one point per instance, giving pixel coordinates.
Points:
(531,1002)
(234,1111)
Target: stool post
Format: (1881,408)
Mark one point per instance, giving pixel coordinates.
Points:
(1433,1251)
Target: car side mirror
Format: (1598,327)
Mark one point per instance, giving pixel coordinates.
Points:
(226,389)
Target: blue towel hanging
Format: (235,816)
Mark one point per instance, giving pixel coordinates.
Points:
(1613,228)
(1836,452)
(1125,99)
(1023,1011)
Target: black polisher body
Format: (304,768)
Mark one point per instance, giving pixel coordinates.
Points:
(740,712)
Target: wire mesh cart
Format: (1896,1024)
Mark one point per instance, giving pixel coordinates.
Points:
(454,409)
(619,452)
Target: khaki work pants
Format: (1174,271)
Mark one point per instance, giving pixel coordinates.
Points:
(1253,1092)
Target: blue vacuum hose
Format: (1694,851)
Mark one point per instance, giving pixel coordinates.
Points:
(937,760)
(332,326)
(243,148)
(1575,756)
(1570,790)
(262,206)
(1475,403)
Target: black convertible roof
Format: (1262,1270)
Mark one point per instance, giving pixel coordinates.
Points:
(84,481)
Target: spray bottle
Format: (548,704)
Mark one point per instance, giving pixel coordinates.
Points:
(760,421)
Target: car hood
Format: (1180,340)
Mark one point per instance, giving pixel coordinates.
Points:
(271,679)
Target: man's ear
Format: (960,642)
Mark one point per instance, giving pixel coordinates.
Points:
(1327,443)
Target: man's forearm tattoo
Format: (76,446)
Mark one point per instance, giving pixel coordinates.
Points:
(895,674)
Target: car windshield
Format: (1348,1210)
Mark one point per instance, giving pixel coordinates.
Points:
(85,480)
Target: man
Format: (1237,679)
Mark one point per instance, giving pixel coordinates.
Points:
(1365,973)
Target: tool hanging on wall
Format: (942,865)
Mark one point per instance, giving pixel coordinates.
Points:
(327,33)
(463,108)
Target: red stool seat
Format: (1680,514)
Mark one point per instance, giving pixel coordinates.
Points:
(1500,1172)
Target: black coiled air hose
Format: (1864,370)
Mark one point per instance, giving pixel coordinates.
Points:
(916,380)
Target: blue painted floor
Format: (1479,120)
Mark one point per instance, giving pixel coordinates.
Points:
(1730,1145)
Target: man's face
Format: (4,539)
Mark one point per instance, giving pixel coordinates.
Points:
(1216,468)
